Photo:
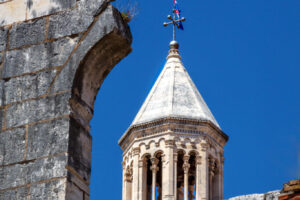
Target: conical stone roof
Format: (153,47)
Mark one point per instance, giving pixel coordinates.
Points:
(174,95)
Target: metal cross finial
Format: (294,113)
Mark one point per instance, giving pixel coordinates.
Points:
(175,22)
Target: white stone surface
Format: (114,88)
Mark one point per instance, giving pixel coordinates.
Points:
(20,10)
(273,195)
(12,11)
(174,95)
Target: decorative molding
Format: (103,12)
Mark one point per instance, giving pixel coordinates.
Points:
(198,160)
(136,151)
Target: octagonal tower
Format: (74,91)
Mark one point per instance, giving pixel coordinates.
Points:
(174,148)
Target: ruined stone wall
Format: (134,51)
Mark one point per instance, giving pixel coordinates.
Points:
(54,55)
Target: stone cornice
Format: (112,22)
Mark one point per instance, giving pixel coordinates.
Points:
(176,125)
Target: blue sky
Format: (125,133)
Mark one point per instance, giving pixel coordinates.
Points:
(244,59)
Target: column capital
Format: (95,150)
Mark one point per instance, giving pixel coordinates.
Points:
(175,157)
(204,146)
(198,160)
(154,168)
(136,151)
(142,163)
(222,160)
(186,168)
(212,166)
(186,158)
(170,143)
(124,164)
(154,161)
(128,175)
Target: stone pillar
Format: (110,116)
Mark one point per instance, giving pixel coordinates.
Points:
(211,176)
(198,178)
(222,177)
(186,167)
(175,175)
(127,184)
(124,181)
(135,174)
(204,180)
(168,172)
(154,168)
(142,179)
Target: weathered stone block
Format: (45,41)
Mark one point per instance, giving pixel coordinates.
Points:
(73,192)
(47,168)
(69,23)
(26,87)
(38,170)
(48,138)
(38,8)
(93,7)
(38,57)
(77,20)
(37,110)
(12,146)
(3,36)
(12,11)
(80,148)
(12,176)
(27,33)
(1,92)
(53,190)
(17,194)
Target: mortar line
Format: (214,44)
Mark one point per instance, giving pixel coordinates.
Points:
(28,194)
(32,73)
(35,98)
(73,171)
(26,142)
(37,18)
(34,183)
(38,122)
(32,160)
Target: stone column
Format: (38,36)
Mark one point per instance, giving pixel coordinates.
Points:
(198,178)
(168,172)
(142,179)
(204,180)
(175,175)
(222,177)
(211,176)
(124,181)
(186,167)
(154,168)
(127,195)
(135,174)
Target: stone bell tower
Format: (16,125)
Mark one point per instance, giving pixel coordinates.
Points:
(174,148)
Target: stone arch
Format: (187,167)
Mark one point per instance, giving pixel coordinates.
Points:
(89,67)
(64,68)
(145,156)
(158,152)
(195,152)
